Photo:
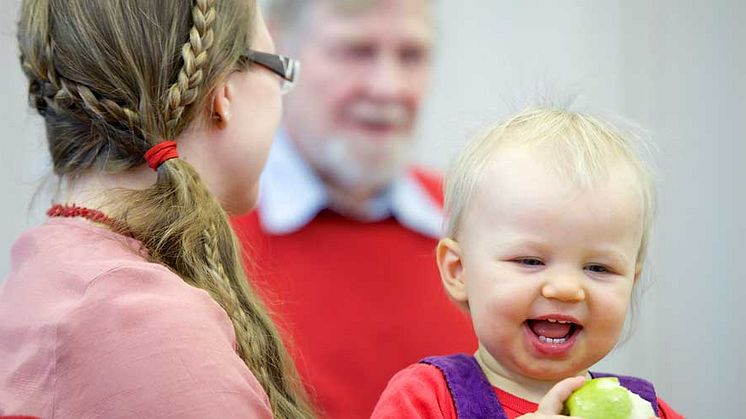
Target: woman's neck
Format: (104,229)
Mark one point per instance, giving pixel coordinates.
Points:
(90,189)
(517,385)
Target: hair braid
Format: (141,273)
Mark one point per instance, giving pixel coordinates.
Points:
(49,55)
(194,54)
(48,89)
(43,83)
(256,335)
(213,255)
(104,109)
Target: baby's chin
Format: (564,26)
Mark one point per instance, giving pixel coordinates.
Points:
(557,375)
(577,361)
(548,369)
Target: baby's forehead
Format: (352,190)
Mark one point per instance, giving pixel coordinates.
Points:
(523,163)
(534,180)
(554,152)
(522,190)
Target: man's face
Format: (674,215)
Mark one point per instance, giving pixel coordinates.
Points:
(363,77)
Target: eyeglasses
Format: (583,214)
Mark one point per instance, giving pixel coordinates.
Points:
(285,67)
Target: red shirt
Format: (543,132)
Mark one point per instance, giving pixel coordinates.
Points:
(357,302)
(421,391)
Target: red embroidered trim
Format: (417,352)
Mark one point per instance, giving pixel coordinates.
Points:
(73,210)
(160,153)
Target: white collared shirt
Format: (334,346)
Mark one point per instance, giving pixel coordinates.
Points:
(292,194)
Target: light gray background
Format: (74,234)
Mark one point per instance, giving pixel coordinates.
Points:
(675,67)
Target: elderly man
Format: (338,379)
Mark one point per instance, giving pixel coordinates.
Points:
(343,239)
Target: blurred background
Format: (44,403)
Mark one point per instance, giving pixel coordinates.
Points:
(676,68)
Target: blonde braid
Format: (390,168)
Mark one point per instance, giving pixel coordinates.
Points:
(51,73)
(214,265)
(255,333)
(232,305)
(49,89)
(104,109)
(194,53)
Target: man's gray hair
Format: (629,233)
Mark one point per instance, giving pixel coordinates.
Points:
(287,13)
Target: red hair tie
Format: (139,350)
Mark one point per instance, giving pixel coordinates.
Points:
(160,153)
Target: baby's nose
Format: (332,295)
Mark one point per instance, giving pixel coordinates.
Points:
(564,288)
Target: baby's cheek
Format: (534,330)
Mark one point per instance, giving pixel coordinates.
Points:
(498,315)
(610,301)
(482,305)
(609,320)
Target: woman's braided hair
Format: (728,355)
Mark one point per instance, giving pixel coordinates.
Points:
(114,78)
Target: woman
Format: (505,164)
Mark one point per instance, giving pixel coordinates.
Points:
(131,301)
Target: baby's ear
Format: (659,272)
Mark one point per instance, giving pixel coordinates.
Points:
(448,255)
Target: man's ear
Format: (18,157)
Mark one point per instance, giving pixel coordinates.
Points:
(450,264)
(222,102)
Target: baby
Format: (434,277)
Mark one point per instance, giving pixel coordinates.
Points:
(549,217)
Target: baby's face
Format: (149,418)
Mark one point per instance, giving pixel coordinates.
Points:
(548,267)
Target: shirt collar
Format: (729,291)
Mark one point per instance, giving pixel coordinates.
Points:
(292,194)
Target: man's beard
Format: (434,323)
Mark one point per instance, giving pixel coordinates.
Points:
(361,162)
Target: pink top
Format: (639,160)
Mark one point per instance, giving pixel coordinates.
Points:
(90,328)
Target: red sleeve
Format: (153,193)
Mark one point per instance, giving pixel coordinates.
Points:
(665,411)
(419,391)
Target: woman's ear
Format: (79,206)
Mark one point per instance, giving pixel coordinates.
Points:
(222,101)
(450,264)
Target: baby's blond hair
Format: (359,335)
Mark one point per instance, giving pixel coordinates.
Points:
(582,148)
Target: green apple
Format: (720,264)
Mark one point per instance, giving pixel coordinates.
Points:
(605,398)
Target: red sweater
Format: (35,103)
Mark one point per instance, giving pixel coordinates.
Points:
(356,302)
(421,392)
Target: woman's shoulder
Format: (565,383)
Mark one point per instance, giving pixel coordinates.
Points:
(126,337)
(70,253)
(66,272)
(142,339)
(89,262)
(147,296)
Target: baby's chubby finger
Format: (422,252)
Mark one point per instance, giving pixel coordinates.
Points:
(553,402)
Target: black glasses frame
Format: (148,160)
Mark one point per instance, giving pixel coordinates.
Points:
(285,67)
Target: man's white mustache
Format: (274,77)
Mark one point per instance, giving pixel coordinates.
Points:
(389,114)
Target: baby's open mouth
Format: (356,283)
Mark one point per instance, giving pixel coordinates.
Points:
(553,331)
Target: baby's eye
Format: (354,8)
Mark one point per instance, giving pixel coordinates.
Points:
(598,269)
(529,261)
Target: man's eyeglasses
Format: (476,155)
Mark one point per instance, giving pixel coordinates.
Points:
(285,67)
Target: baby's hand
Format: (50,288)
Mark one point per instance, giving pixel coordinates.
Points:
(553,402)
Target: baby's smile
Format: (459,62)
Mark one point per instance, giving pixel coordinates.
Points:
(553,334)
